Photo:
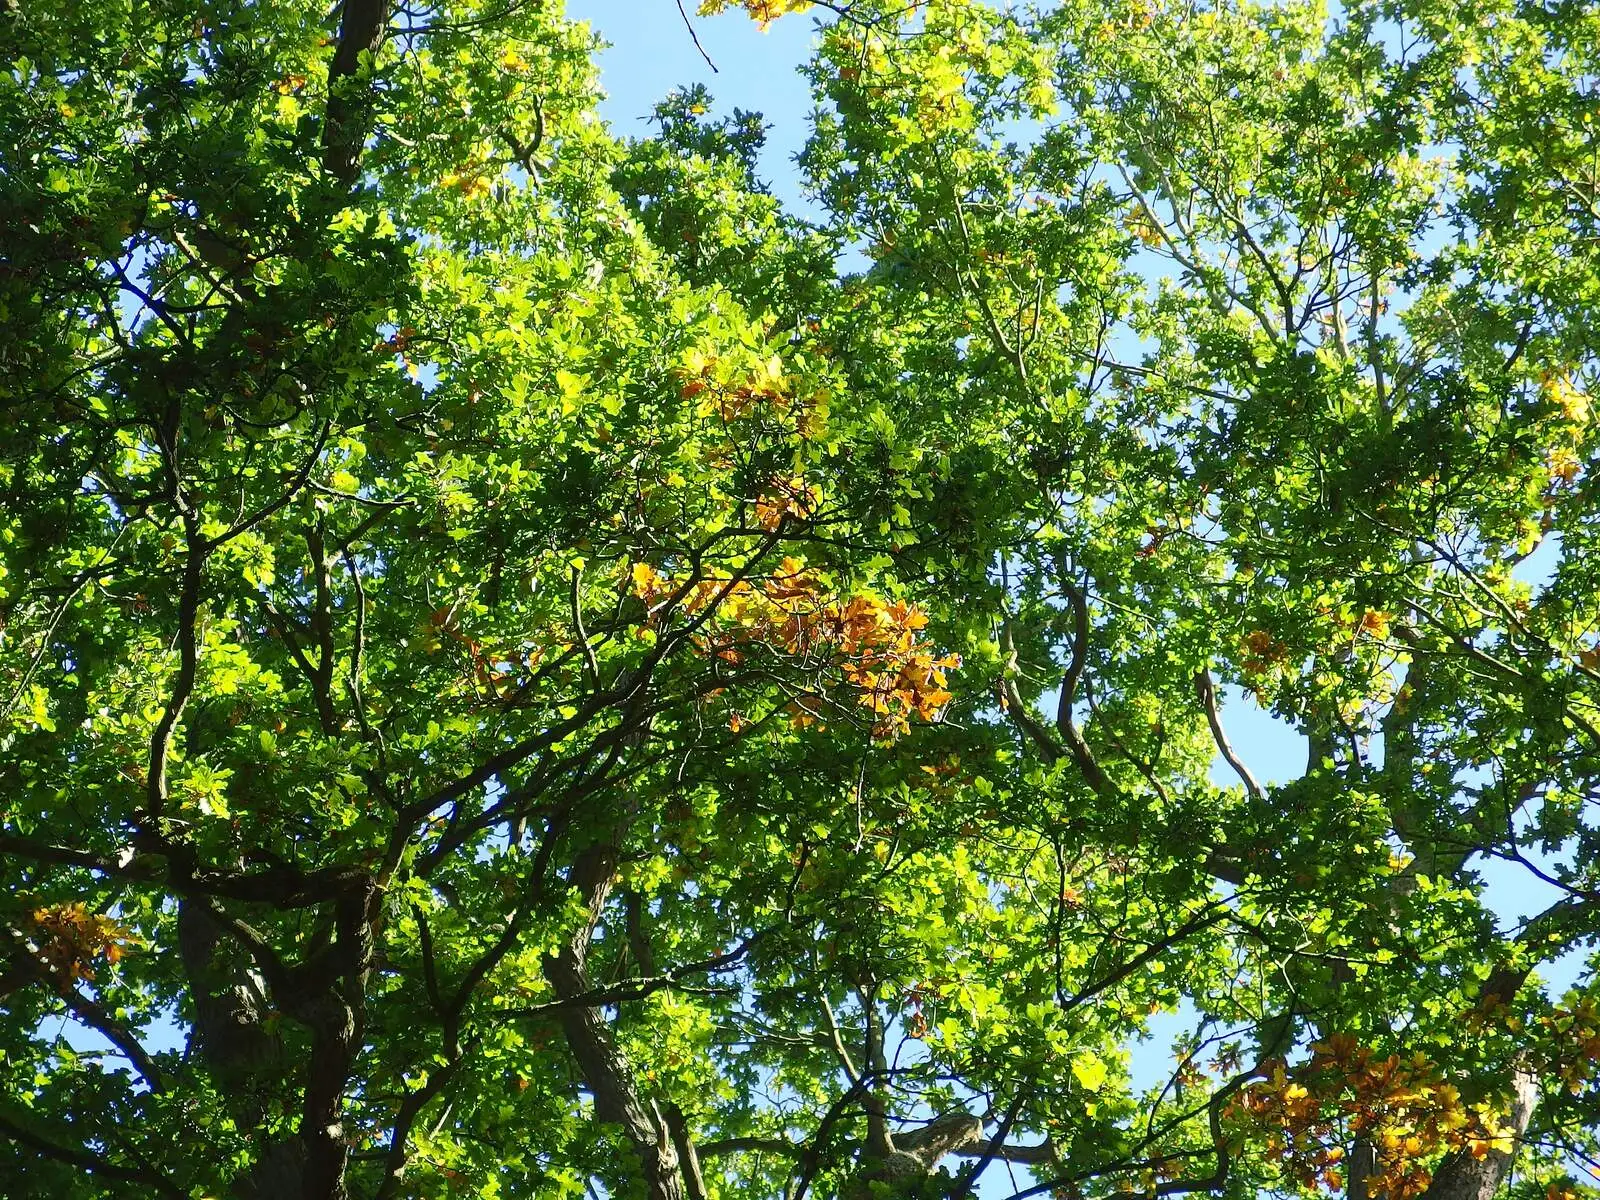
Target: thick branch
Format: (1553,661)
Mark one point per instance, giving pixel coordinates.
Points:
(677,1124)
(1090,767)
(1017,708)
(1464,1177)
(188,638)
(1207,692)
(604,1068)
(362,25)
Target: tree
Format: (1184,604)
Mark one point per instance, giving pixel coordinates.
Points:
(525,678)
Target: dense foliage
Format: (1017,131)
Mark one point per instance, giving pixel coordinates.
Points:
(533,671)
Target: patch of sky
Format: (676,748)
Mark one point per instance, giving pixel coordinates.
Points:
(1538,569)
(1272,748)
(1155,1056)
(650,52)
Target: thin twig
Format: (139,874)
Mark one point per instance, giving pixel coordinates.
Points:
(695,38)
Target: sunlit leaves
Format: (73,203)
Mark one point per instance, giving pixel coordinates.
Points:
(763,12)
(1401,1106)
(825,625)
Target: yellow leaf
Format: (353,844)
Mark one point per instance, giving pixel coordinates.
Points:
(1375,624)
(764,12)
(1089,1070)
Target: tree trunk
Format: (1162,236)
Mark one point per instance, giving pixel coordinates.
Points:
(362,25)
(605,1070)
(1463,1177)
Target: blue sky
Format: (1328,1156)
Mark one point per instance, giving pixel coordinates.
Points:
(651,53)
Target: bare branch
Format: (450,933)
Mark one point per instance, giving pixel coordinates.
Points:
(1207,692)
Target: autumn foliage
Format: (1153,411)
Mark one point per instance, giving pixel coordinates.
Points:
(875,647)
(1063,661)
(69,938)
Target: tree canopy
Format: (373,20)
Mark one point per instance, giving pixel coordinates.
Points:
(533,670)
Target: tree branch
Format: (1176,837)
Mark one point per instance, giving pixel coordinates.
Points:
(188,639)
(362,26)
(89,1163)
(1207,692)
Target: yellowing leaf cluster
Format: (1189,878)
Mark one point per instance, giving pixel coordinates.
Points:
(1375,624)
(1143,225)
(1563,465)
(471,180)
(1401,1105)
(1260,652)
(1569,400)
(734,388)
(71,937)
(1573,1033)
(763,12)
(876,645)
(786,497)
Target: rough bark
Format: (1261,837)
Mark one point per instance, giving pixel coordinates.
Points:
(913,1154)
(231,1006)
(1363,1162)
(948,1134)
(233,999)
(362,25)
(605,1070)
(1463,1177)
